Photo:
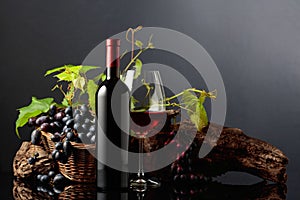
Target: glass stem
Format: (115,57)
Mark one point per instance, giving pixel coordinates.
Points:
(141,157)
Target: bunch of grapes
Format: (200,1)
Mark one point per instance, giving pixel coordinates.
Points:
(182,170)
(51,183)
(66,126)
(186,182)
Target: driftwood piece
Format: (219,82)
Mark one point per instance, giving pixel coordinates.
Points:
(23,169)
(234,151)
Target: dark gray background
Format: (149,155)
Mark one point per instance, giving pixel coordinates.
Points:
(255,44)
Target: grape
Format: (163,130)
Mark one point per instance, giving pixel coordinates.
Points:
(68,111)
(44,189)
(53,107)
(58,190)
(39,176)
(58,155)
(31,160)
(77,112)
(85,126)
(93,139)
(176,178)
(50,193)
(59,116)
(76,126)
(52,126)
(55,137)
(83,108)
(92,129)
(67,148)
(59,179)
(66,118)
(45,179)
(183,177)
(81,136)
(41,120)
(31,121)
(59,146)
(45,127)
(39,188)
(36,155)
(93,121)
(70,123)
(77,118)
(54,152)
(58,124)
(87,121)
(51,174)
(52,110)
(179,170)
(35,136)
(89,134)
(66,129)
(70,136)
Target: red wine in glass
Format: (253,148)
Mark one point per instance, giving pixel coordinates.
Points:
(148,122)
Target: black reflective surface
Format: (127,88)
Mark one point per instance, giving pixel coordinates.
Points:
(16,189)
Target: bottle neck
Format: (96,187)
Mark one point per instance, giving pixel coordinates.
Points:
(112,72)
(112,58)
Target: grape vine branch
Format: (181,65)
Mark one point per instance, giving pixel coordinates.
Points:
(79,85)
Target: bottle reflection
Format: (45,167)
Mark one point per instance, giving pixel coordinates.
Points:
(112,196)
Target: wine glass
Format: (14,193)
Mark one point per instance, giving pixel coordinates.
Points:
(148,116)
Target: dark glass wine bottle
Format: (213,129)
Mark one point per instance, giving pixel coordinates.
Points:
(112,110)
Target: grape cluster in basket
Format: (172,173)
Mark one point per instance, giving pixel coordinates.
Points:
(65,126)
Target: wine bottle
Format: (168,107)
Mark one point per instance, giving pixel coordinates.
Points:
(112,111)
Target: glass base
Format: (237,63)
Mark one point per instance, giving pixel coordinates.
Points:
(140,184)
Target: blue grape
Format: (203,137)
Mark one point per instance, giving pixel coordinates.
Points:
(35,137)
(31,160)
(41,120)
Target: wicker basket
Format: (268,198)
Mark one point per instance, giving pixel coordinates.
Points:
(47,142)
(81,165)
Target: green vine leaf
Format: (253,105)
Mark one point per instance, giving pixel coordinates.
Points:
(138,68)
(84,68)
(101,77)
(65,102)
(195,109)
(79,83)
(36,107)
(70,74)
(91,90)
(57,69)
